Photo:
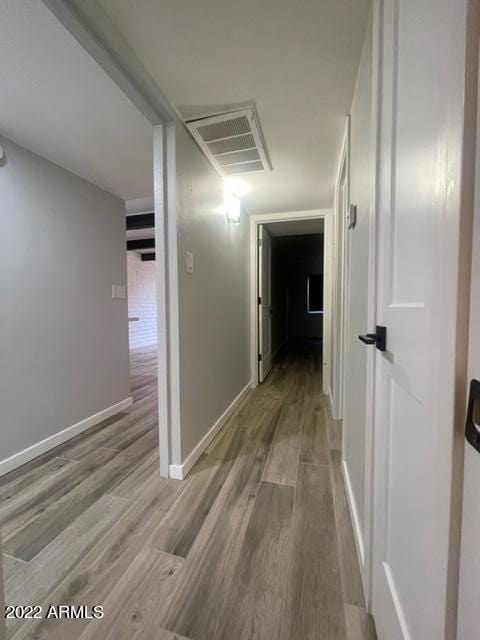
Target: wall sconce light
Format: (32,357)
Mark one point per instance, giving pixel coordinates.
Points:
(232,207)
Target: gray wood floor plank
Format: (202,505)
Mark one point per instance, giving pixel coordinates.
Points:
(92,580)
(131,608)
(146,471)
(144,445)
(282,461)
(14,485)
(314,442)
(122,435)
(314,603)
(220,447)
(360,624)
(180,527)
(20,587)
(116,432)
(196,602)
(313,446)
(41,531)
(66,550)
(16,502)
(50,566)
(254,605)
(14,517)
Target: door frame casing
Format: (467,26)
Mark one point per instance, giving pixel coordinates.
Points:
(167,292)
(340,276)
(289,216)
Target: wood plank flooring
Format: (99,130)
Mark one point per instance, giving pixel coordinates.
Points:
(255,544)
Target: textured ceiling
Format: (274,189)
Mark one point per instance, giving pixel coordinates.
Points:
(56,101)
(296,60)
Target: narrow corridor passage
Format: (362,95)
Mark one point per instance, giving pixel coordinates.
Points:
(256,543)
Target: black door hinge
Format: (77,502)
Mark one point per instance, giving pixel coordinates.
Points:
(259,300)
(259,357)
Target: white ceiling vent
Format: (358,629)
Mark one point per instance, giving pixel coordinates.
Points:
(233,141)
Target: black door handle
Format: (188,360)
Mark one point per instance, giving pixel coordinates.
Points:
(472,432)
(379,338)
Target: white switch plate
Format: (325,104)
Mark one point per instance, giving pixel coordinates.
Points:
(189,262)
(118,292)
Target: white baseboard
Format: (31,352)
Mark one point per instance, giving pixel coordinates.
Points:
(180,471)
(45,445)
(357,530)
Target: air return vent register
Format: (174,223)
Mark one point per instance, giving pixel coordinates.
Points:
(233,141)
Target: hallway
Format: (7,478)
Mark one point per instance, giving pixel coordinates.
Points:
(256,543)
(228,180)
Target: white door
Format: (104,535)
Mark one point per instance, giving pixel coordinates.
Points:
(468,608)
(264,303)
(419,171)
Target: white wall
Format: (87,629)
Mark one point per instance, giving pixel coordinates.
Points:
(142,301)
(63,340)
(213,301)
(357,318)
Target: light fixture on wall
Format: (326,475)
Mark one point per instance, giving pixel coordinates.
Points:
(231,203)
(232,207)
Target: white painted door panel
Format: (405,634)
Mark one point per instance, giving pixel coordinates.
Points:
(468,607)
(265,303)
(413,426)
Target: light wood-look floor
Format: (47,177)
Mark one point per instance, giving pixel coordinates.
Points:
(256,543)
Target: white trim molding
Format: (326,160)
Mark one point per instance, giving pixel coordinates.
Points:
(357,530)
(35,450)
(180,471)
(340,274)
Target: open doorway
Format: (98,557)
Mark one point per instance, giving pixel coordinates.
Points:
(290,281)
(291,289)
(142,302)
(142,290)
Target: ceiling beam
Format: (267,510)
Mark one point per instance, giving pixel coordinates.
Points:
(146,257)
(143,243)
(140,221)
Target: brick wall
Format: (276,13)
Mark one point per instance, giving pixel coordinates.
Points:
(142,301)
